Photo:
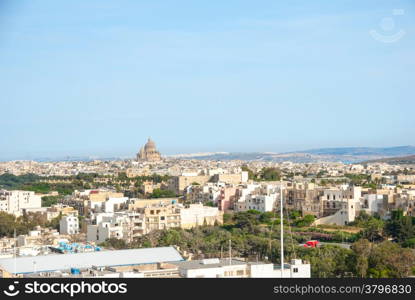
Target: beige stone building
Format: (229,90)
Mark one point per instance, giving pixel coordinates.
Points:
(171,216)
(83,201)
(148,187)
(177,184)
(58,209)
(135,172)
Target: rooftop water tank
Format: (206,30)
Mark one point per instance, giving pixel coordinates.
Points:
(75,271)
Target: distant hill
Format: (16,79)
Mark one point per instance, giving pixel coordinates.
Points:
(395,160)
(362,151)
(345,155)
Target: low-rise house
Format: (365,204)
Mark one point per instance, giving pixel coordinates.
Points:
(69,225)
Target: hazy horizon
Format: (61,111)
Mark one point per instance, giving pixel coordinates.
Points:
(94,78)
(133,154)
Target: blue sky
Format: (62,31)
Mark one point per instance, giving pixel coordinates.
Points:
(98,77)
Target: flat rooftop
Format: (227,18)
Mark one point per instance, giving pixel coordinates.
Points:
(209,263)
(111,258)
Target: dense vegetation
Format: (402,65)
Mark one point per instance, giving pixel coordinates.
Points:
(25,223)
(31,182)
(48,201)
(253,235)
(65,185)
(159,193)
(399,227)
(266,174)
(13,182)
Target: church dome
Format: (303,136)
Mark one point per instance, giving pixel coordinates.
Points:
(149,152)
(150,146)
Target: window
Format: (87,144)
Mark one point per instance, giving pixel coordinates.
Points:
(295,270)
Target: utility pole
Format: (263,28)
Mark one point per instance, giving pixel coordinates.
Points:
(14,251)
(282,230)
(230,252)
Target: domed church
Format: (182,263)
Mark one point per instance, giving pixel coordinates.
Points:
(149,152)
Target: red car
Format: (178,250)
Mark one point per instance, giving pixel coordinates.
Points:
(311,244)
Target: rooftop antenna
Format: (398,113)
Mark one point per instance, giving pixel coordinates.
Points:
(291,233)
(230,252)
(221,251)
(282,230)
(14,251)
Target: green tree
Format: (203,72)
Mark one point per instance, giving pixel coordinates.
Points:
(400,227)
(362,249)
(54,223)
(7,224)
(266,217)
(246,220)
(227,218)
(373,230)
(270,174)
(390,260)
(114,243)
(48,201)
(306,221)
(159,193)
(210,203)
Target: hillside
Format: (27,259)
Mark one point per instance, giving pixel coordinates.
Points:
(345,155)
(396,160)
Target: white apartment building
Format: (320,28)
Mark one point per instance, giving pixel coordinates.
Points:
(13,202)
(235,268)
(257,197)
(127,225)
(197,215)
(112,204)
(120,225)
(69,225)
(262,203)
